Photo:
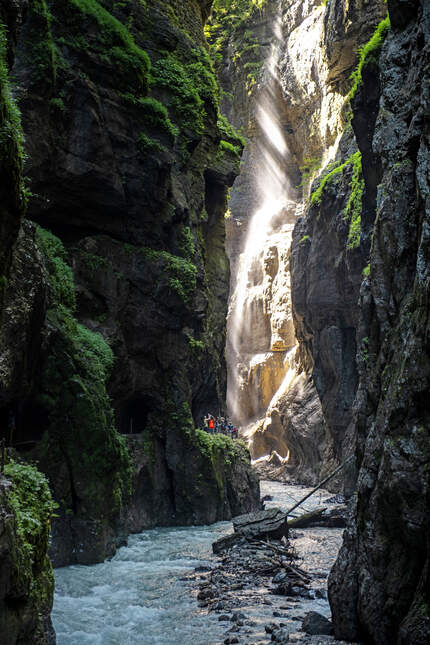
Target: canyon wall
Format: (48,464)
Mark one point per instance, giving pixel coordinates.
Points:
(297,376)
(359,280)
(115,290)
(379,587)
(26,581)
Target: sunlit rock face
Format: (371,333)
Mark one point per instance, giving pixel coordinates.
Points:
(295,119)
(265,379)
(260,320)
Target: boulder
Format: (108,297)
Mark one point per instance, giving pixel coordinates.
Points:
(271,523)
(316,624)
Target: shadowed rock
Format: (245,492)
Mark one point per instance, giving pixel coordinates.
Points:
(271,523)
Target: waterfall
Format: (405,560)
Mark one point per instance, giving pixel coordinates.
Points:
(261,341)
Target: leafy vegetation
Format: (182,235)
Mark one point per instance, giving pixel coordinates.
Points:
(317,195)
(33,506)
(189,86)
(57,103)
(186,243)
(60,274)
(109,38)
(369,55)
(232,18)
(146,144)
(182,274)
(229,132)
(156,115)
(228,16)
(226,147)
(212,445)
(39,46)
(196,346)
(354,205)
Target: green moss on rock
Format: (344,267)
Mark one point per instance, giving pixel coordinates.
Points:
(354,205)
(39,45)
(106,37)
(33,506)
(61,282)
(73,392)
(181,273)
(317,195)
(369,55)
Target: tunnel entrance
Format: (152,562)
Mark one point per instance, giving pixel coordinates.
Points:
(22,424)
(134,415)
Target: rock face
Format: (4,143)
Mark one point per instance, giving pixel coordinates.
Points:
(26,581)
(11,153)
(379,587)
(262,208)
(113,342)
(299,401)
(325,264)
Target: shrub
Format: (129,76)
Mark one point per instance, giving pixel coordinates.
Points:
(33,506)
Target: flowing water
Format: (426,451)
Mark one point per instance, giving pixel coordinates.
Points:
(260,329)
(140,597)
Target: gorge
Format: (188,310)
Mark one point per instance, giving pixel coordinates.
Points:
(214,206)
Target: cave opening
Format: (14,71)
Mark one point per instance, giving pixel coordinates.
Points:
(134,415)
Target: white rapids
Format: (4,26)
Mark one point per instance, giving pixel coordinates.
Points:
(140,597)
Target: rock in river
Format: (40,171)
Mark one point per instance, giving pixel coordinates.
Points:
(262,524)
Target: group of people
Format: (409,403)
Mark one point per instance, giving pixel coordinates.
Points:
(219,425)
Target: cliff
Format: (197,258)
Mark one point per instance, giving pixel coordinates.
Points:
(379,587)
(113,331)
(355,125)
(26,581)
(359,295)
(293,376)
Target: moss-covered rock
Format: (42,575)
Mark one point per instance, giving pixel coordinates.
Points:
(121,109)
(85,457)
(26,582)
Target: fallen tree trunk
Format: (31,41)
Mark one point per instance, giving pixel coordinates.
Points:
(332,518)
(306,519)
